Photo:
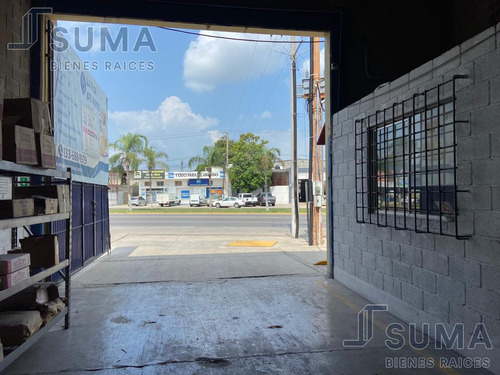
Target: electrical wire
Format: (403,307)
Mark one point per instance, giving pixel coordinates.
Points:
(238,39)
(258,86)
(244,87)
(271,92)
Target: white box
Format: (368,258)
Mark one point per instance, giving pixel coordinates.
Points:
(5,188)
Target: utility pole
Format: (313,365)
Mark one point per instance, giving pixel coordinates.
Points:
(226,177)
(294,171)
(309,187)
(315,166)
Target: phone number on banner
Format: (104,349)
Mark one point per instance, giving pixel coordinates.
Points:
(72,155)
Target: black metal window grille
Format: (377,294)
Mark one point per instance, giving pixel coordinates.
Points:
(406,164)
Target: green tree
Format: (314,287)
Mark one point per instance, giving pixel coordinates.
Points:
(267,159)
(212,157)
(225,146)
(152,159)
(128,149)
(246,159)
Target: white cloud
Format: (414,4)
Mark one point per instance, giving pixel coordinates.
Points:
(209,61)
(173,128)
(265,115)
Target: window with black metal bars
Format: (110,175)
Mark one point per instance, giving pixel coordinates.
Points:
(406,164)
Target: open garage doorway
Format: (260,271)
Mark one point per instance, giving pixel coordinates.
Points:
(180,90)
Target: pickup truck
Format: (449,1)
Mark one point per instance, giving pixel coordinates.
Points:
(166,199)
(248,198)
(261,199)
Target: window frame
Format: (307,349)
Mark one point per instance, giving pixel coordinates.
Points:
(417,132)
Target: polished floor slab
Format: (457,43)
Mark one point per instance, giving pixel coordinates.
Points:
(227,313)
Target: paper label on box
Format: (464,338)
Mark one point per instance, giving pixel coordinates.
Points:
(5,188)
(25,145)
(48,151)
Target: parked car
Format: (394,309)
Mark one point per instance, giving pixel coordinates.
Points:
(214,198)
(261,199)
(248,198)
(230,202)
(138,201)
(198,200)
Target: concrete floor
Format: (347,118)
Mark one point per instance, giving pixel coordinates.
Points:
(192,305)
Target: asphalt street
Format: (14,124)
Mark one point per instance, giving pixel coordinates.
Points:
(203,224)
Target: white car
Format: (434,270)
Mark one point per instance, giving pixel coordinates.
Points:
(230,202)
(198,200)
(138,201)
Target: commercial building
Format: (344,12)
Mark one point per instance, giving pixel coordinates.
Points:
(183,184)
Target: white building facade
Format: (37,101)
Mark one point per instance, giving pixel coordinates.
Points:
(183,184)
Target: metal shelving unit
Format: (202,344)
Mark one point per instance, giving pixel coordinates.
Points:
(64,267)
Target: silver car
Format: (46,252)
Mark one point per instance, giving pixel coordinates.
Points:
(138,201)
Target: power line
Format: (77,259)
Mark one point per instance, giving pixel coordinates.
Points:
(271,92)
(258,86)
(233,38)
(244,86)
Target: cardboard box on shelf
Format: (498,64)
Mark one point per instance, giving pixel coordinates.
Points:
(59,192)
(45,206)
(45,150)
(21,147)
(11,279)
(17,208)
(5,188)
(2,88)
(43,250)
(2,95)
(10,263)
(32,113)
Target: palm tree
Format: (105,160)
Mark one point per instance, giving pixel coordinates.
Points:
(128,149)
(152,160)
(212,157)
(267,159)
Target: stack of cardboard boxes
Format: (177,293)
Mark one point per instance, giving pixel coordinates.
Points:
(26,122)
(14,268)
(12,208)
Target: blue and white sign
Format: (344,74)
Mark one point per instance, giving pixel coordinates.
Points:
(185,194)
(80,120)
(183,175)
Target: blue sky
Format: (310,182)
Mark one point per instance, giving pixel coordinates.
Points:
(194,88)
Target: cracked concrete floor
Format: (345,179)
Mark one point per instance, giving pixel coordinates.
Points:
(190,305)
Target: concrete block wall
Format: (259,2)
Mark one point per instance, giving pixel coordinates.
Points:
(428,277)
(14,66)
